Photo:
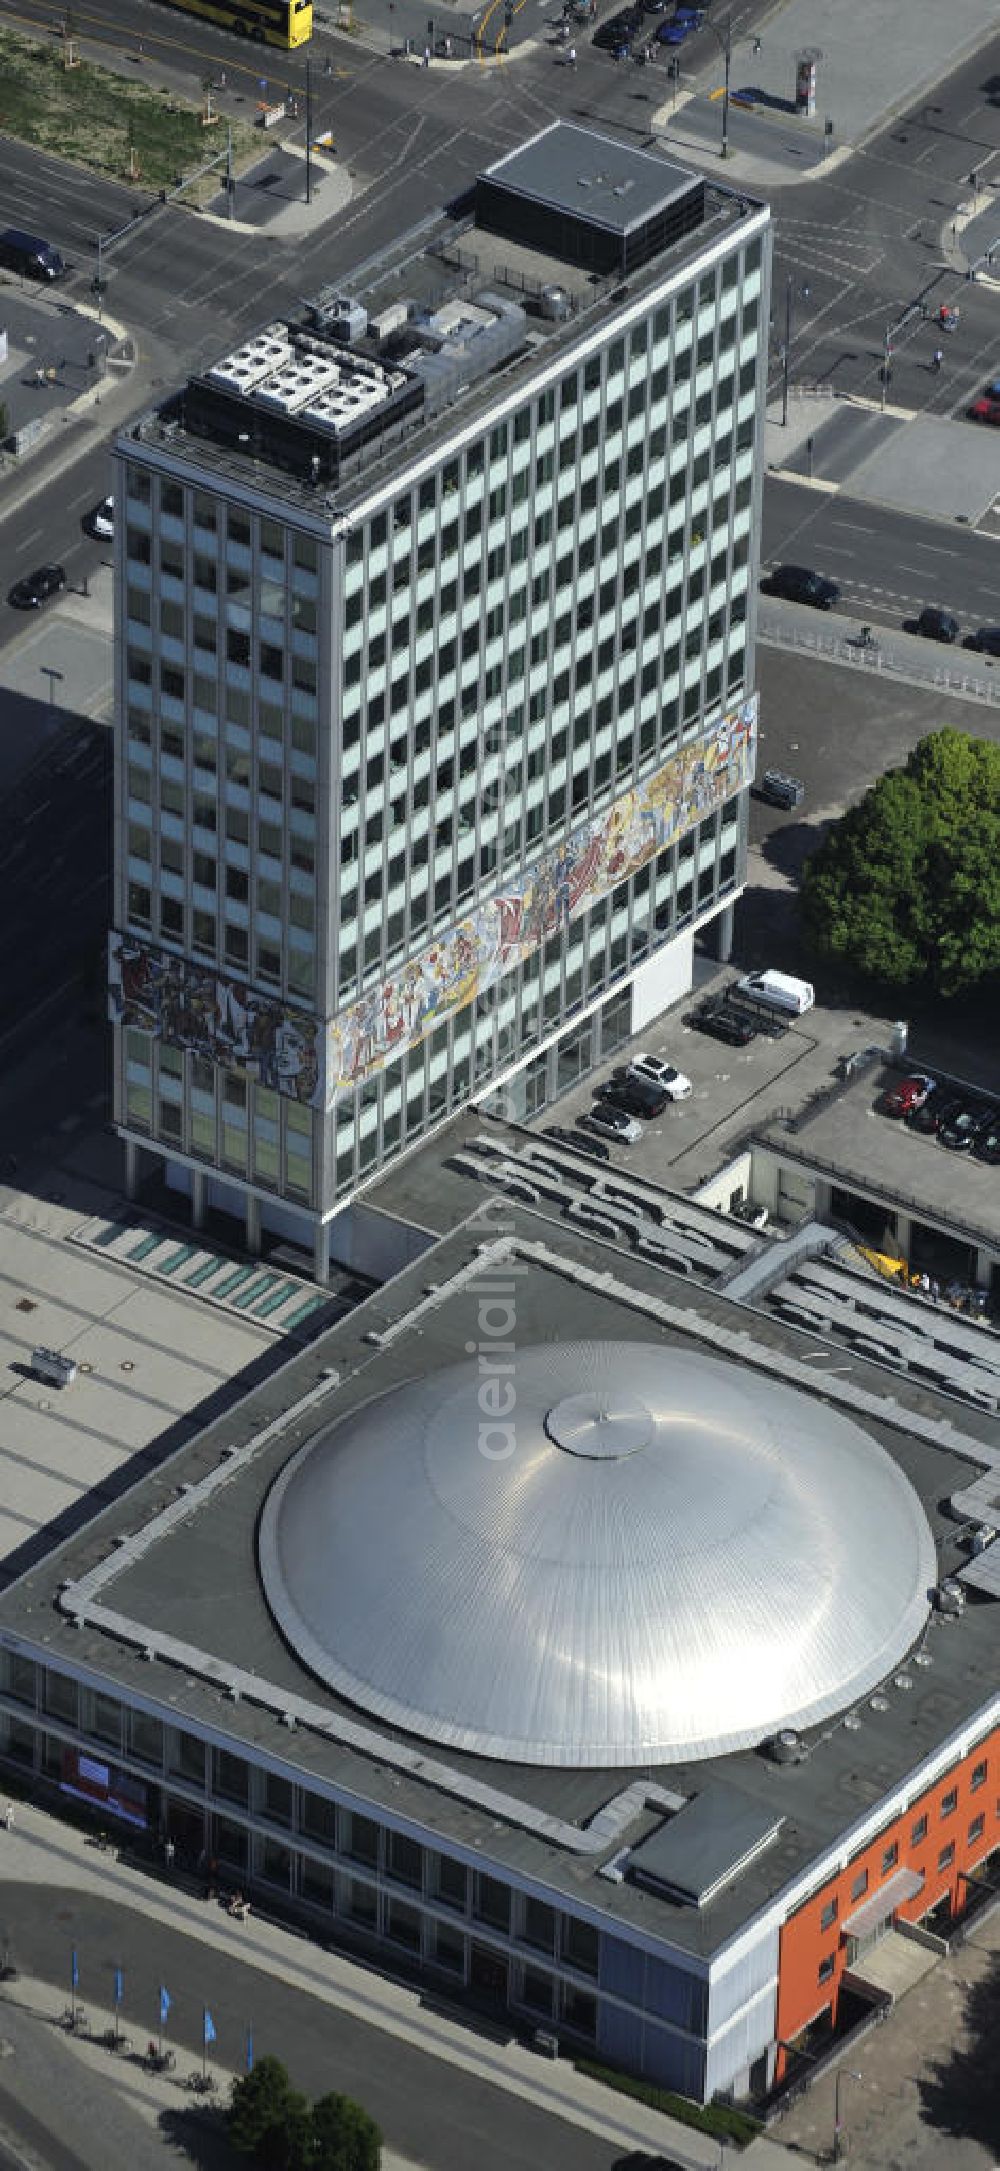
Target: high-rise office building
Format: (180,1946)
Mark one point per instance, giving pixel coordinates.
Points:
(436,701)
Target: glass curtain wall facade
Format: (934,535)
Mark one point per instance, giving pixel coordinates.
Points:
(338,739)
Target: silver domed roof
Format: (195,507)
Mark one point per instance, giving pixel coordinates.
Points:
(675,1558)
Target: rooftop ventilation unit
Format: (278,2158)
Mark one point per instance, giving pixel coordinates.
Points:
(949,1598)
(787,1747)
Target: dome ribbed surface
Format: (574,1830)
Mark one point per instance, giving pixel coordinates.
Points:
(676,1557)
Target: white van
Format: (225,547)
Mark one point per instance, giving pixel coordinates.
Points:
(778,990)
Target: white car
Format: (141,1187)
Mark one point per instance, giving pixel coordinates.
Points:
(101,521)
(673,1082)
(611,1123)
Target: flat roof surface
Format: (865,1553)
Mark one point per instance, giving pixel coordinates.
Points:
(152,1364)
(199,1584)
(595,177)
(450,259)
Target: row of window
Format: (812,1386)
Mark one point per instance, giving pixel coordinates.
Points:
(624,369)
(546,1948)
(339,1831)
(213,522)
(223,1117)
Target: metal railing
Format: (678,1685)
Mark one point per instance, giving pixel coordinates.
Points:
(846,649)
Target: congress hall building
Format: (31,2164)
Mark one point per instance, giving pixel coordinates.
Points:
(436,705)
(558,1629)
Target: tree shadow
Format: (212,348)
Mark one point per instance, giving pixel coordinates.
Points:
(202,2136)
(960,2095)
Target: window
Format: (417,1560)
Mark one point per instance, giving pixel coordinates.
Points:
(919,1832)
(978,1778)
(404,1860)
(829,1915)
(976,1829)
(827,1967)
(947,1855)
(492,1902)
(860,1885)
(949,1802)
(890,1858)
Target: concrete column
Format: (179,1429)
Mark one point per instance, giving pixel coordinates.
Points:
(253,1223)
(321,1255)
(724,935)
(198,1191)
(131,1168)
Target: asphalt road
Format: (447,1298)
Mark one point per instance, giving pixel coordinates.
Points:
(887,564)
(449,2123)
(862,245)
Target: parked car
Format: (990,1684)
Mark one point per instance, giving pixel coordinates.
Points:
(660,1073)
(676,30)
(960,1130)
(910,1094)
(797,584)
(100,521)
(780,790)
(592,1147)
(986,409)
(611,1123)
(31,593)
(987,640)
(987,1145)
(780,991)
(723,1025)
(938,1108)
(935,624)
(637,1096)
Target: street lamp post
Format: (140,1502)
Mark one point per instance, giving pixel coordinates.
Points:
(786,351)
(724,41)
(845,2073)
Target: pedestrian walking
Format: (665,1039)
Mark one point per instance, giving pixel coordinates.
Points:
(938,358)
(427,56)
(8,1818)
(169,1852)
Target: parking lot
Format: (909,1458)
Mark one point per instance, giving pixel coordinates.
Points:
(743,1092)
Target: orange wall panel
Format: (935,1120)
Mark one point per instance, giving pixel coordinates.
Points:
(805,1945)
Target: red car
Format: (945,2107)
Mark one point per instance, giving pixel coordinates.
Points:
(906,1097)
(985,410)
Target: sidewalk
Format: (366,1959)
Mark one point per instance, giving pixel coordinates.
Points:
(40,1850)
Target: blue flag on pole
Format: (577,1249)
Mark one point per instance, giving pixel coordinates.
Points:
(164,2004)
(119,1986)
(249,2050)
(208,2027)
(74,1973)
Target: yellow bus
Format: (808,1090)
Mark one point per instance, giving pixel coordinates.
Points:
(265,22)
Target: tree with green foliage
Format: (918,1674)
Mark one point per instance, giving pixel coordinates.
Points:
(344,2138)
(268,2120)
(906,887)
